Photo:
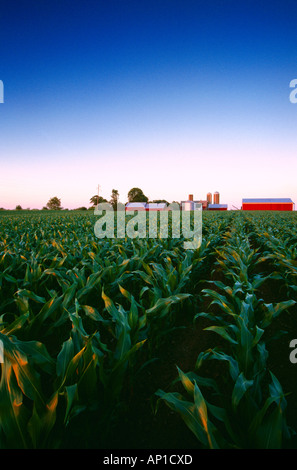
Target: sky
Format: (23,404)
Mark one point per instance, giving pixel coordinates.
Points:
(174,97)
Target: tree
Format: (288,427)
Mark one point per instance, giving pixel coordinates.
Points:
(136,195)
(18,208)
(95,200)
(54,204)
(114,198)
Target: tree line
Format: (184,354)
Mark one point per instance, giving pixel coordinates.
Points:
(134,195)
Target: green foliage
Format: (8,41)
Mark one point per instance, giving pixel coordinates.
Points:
(80,317)
(114,198)
(97,200)
(136,195)
(249,415)
(54,204)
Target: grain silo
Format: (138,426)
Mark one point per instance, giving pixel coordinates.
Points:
(209,198)
(216,198)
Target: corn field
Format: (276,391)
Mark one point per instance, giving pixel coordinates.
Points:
(109,343)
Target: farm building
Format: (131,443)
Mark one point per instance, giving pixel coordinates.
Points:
(135,206)
(204,204)
(190,204)
(146,206)
(282,204)
(156,206)
(217,207)
(216,198)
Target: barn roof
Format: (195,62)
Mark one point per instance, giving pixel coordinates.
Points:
(146,205)
(267,201)
(136,204)
(156,205)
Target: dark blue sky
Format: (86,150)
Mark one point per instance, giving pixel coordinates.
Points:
(81,44)
(106,85)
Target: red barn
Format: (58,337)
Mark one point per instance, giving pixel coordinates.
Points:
(283,204)
(217,207)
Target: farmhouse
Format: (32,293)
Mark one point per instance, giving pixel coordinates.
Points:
(190,204)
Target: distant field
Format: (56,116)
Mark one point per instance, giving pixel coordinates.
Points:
(100,335)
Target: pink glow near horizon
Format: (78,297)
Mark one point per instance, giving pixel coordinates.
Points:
(170,175)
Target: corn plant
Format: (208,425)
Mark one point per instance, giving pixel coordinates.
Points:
(80,317)
(227,422)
